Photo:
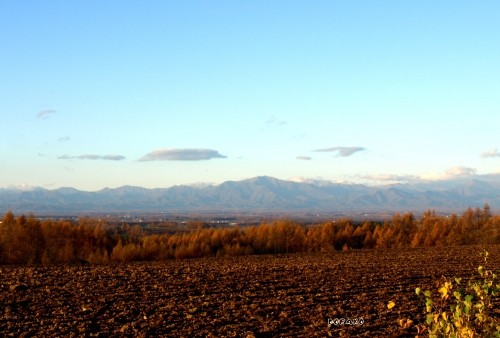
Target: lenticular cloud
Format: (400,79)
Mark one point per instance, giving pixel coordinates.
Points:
(182,155)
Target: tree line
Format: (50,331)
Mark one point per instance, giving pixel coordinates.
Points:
(28,240)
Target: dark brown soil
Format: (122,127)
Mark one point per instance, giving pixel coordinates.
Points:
(251,296)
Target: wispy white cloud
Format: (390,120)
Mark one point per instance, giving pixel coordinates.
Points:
(112,157)
(274,121)
(342,151)
(45,114)
(304,158)
(491,153)
(63,139)
(93,157)
(188,154)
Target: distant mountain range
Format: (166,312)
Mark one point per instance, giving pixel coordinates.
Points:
(261,194)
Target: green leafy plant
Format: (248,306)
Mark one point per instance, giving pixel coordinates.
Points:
(462,310)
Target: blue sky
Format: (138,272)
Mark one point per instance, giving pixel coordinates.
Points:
(98,94)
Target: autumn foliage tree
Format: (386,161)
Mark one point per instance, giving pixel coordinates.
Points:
(28,240)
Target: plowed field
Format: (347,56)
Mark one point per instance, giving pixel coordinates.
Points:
(250,296)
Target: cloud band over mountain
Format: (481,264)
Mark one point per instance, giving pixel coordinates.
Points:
(391,177)
(187,154)
(453,173)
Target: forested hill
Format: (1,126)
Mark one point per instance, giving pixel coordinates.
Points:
(262,194)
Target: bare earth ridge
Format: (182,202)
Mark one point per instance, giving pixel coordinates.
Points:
(250,296)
